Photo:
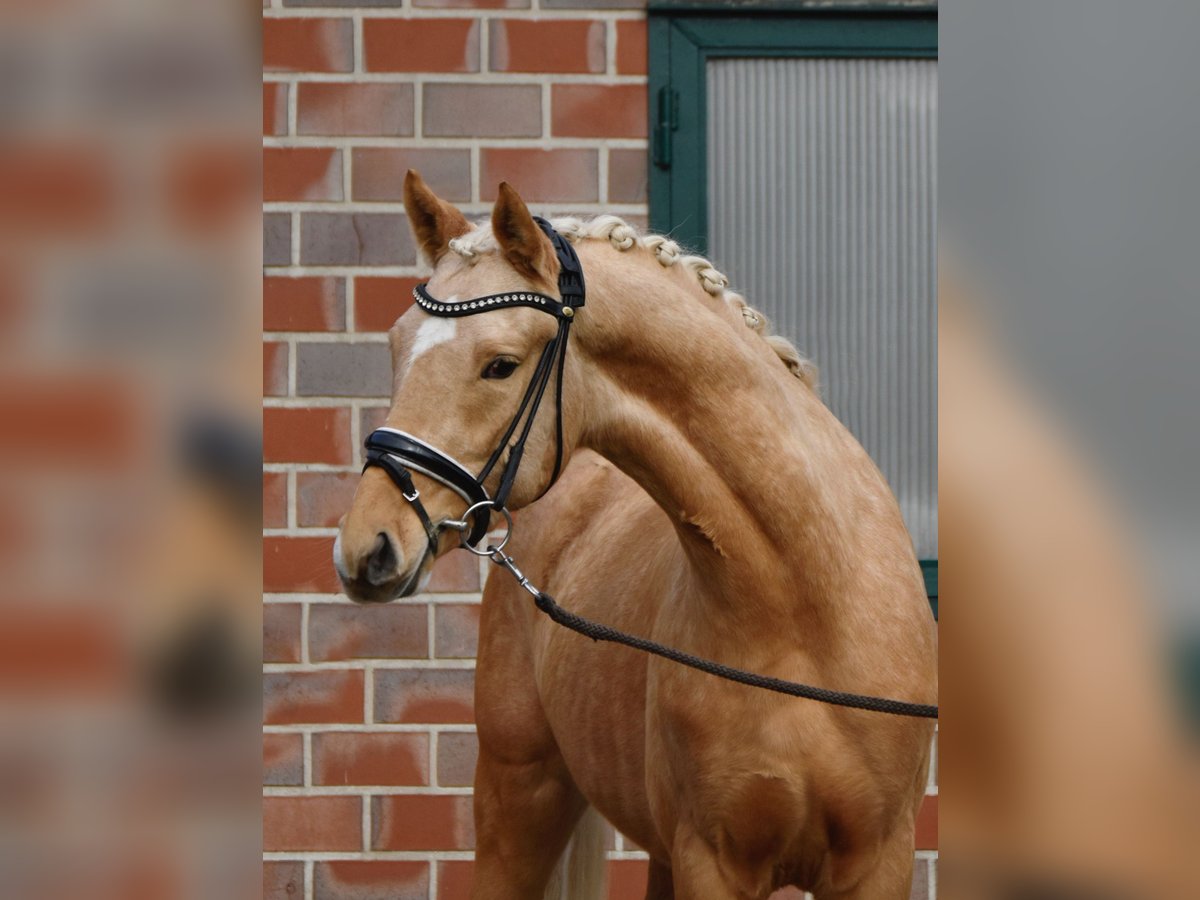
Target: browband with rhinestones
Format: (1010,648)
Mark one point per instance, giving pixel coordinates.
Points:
(495,301)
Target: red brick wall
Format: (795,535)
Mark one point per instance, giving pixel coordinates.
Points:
(369,745)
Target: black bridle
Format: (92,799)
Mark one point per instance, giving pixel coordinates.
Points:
(399,453)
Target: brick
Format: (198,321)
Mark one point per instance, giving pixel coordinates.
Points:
(546,45)
(317,435)
(627,878)
(18,534)
(378,631)
(455,573)
(340,3)
(472,4)
(343,370)
(281,632)
(927,823)
(304,304)
(356,758)
(482,110)
(277,239)
(378,172)
(455,879)
(436,696)
(422,822)
(322,498)
(627,176)
(56,188)
(302,173)
(379,302)
(356,109)
(421,45)
(274,500)
(208,186)
(371,879)
(275,369)
(593,4)
(356,239)
(457,754)
(541,175)
(15,297)
(308,45)
(598,110)
(275,108)
(369,419)
(52,648)
(283,760)
(53,408)
(283,880)
(631,47)
(299,564)
(295,698)
(456,632)
(640,222)
(311,823)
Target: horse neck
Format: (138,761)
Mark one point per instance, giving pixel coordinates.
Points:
(699,410)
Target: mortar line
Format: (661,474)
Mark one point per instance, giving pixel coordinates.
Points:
(366,823)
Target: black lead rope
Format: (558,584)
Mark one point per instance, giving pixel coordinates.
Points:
(397,452)
(599,632)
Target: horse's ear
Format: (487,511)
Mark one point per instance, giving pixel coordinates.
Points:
(523,244)
(434,221)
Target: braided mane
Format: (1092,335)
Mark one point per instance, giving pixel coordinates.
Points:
(667,252)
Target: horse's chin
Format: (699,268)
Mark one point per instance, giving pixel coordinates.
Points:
(403,585)
(416,580)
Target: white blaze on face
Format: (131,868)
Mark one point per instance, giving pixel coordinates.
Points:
(433,331)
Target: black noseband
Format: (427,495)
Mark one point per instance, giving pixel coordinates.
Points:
(399,453)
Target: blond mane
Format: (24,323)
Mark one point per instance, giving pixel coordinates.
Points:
(623,236)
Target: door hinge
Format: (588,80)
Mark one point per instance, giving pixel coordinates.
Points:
(668,122)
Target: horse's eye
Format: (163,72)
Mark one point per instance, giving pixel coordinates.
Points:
(500,367)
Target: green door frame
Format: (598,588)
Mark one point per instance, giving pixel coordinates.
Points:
(684,35)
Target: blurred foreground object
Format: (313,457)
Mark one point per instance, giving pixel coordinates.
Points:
(1062,761)
(1070,506)
(129,311)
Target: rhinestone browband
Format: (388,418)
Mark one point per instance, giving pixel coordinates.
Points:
(436,307)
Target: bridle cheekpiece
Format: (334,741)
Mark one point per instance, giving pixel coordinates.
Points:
(399,453)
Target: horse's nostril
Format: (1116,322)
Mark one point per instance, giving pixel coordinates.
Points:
(382,561)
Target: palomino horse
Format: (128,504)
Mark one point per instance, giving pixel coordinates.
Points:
(711,502)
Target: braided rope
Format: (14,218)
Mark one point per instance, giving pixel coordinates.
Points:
(598,632)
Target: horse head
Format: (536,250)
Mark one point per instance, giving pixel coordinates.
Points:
(458,379)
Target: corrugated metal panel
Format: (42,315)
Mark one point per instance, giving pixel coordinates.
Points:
(822,205)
